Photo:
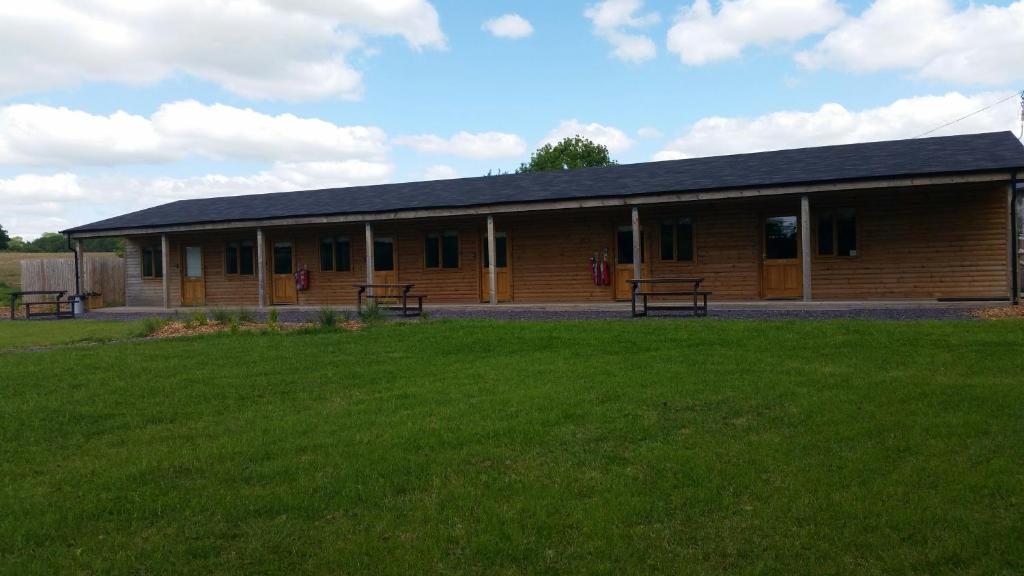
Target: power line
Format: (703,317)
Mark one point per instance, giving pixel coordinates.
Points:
(978,111)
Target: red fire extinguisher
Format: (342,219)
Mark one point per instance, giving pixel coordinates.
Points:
(302,280)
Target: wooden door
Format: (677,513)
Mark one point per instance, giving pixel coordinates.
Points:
(781,270)
(282,278)
(503,270)
(385,264)
(193,287)
(624,261)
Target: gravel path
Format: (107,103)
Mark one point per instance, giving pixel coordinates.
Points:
(937,313)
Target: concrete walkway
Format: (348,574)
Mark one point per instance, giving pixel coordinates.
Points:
(747,310)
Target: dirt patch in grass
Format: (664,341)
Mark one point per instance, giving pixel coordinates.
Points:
(177,329)
(1000,313)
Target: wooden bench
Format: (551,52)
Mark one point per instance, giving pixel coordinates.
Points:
(390,297)
(59,307)
(643,289)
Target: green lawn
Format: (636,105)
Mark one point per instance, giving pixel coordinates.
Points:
(34,333)
(699,447)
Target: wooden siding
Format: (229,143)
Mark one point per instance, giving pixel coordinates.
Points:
(912,243)
(940,243)
(140,291)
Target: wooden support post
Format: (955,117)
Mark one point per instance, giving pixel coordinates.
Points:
(83,270)
(1017,245)
(1012,236)
(369,257)
(165,259)
(637,252)
(261,267)
(805,244)
(492,268)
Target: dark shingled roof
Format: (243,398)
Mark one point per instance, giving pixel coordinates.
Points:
(925,156)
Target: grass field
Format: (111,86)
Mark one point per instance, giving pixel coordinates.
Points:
(23,334)
(505,448)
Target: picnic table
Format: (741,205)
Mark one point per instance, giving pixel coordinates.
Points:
(384,294)
(58,307)
(645,288)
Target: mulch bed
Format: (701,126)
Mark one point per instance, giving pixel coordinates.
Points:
(1000,313)
(176,329)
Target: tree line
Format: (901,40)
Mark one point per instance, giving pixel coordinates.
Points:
(54,242)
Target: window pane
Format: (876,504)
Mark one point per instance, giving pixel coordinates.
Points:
(282,258)
(231,259)
(246,260)
(343,254)
(147,261)
(826,233)
(450,250)
(158,262)
(781,237)
(684,240)
(501,251)
(383,255)
(846,232)
(624,246)
(326,254)
(667,241)
(431,249)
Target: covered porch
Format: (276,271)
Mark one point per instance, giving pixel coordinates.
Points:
(925,242)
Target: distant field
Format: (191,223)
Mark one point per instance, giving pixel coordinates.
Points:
(476,447)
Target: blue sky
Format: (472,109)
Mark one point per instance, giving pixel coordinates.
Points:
(127,106)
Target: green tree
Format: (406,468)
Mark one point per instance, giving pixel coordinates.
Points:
(568,154)
(18,244)
(5,239)
(50,242)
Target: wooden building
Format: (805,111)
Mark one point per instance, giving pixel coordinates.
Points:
(932,218)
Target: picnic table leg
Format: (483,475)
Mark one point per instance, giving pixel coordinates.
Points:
(632,301)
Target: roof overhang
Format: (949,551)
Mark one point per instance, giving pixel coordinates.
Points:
(513,208)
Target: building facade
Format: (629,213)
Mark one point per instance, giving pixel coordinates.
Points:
(945,232)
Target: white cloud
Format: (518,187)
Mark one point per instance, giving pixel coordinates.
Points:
(481,145)
(219,131)
(509,26)
(699,35)
(616,140)
(37,203)
(611,19)
(440,172)
(834,124)
(276,49)
(978,44)
(43,135)
(36,134)
(649,133)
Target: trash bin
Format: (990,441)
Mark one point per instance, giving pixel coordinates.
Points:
(77,304)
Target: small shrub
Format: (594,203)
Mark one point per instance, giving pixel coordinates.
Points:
(371,313)
(245,315)
(272,319)
(233,325)
(327,317)
(424,315)
(220,315)
(152,325)
(199,318)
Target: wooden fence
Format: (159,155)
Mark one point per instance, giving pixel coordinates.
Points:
(102,273)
